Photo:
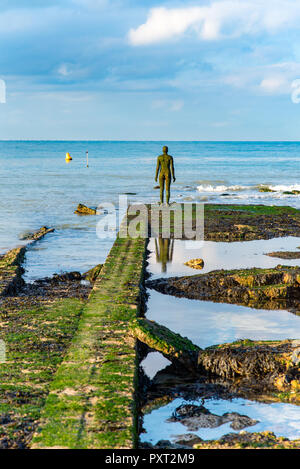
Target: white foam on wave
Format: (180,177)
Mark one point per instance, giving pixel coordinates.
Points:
(220,188)
(284,188)
(237,188)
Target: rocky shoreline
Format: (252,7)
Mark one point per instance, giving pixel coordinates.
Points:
(40,320)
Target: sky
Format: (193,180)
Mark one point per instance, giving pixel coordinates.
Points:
(149,70)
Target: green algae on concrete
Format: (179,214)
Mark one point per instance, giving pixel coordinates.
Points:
(173,346)
(92,398)
(35,340)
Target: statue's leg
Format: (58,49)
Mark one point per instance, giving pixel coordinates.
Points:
(162,187)
(168,183)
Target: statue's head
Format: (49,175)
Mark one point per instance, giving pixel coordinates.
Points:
(165,149)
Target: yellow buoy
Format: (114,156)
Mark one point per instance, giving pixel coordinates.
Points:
(68,157)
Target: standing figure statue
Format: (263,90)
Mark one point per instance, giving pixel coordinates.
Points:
(165,168)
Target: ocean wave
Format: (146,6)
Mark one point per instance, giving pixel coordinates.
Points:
(279,188)
(220,188)
(285,188)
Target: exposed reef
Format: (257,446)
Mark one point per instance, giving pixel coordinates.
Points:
(276,288)
(249,222)
(284,254)
(246,440)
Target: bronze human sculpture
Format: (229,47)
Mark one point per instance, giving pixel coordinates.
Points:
(165,169)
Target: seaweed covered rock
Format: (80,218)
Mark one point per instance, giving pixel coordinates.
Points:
(249,287)
(195,263)
(232,222)
(84,210)
(259,364)
(246,440)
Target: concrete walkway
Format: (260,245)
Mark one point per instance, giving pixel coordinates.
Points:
(91,401)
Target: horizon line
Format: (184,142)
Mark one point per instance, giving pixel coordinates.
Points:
(150,141)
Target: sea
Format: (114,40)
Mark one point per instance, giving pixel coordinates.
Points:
(38,188)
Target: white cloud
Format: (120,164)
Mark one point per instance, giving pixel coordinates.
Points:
(220,19)
(270,79)
(273,84)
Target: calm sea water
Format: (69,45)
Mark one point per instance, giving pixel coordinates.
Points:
(38,188)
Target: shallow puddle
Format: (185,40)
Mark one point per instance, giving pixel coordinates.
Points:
(280,418)
(207,323)
(167,257)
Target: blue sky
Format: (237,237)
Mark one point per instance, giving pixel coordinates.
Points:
(150,70)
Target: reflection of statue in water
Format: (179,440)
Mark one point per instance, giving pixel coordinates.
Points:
(166,167)
(164,251)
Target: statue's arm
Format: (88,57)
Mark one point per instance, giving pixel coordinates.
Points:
(157,168)
(172,169)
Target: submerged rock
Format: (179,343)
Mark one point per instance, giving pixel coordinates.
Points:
(293,192)
(187,439)
(284,254)
(36,235)
(265,189)
(195,417)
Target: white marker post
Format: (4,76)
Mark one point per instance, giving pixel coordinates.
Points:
(87,159)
